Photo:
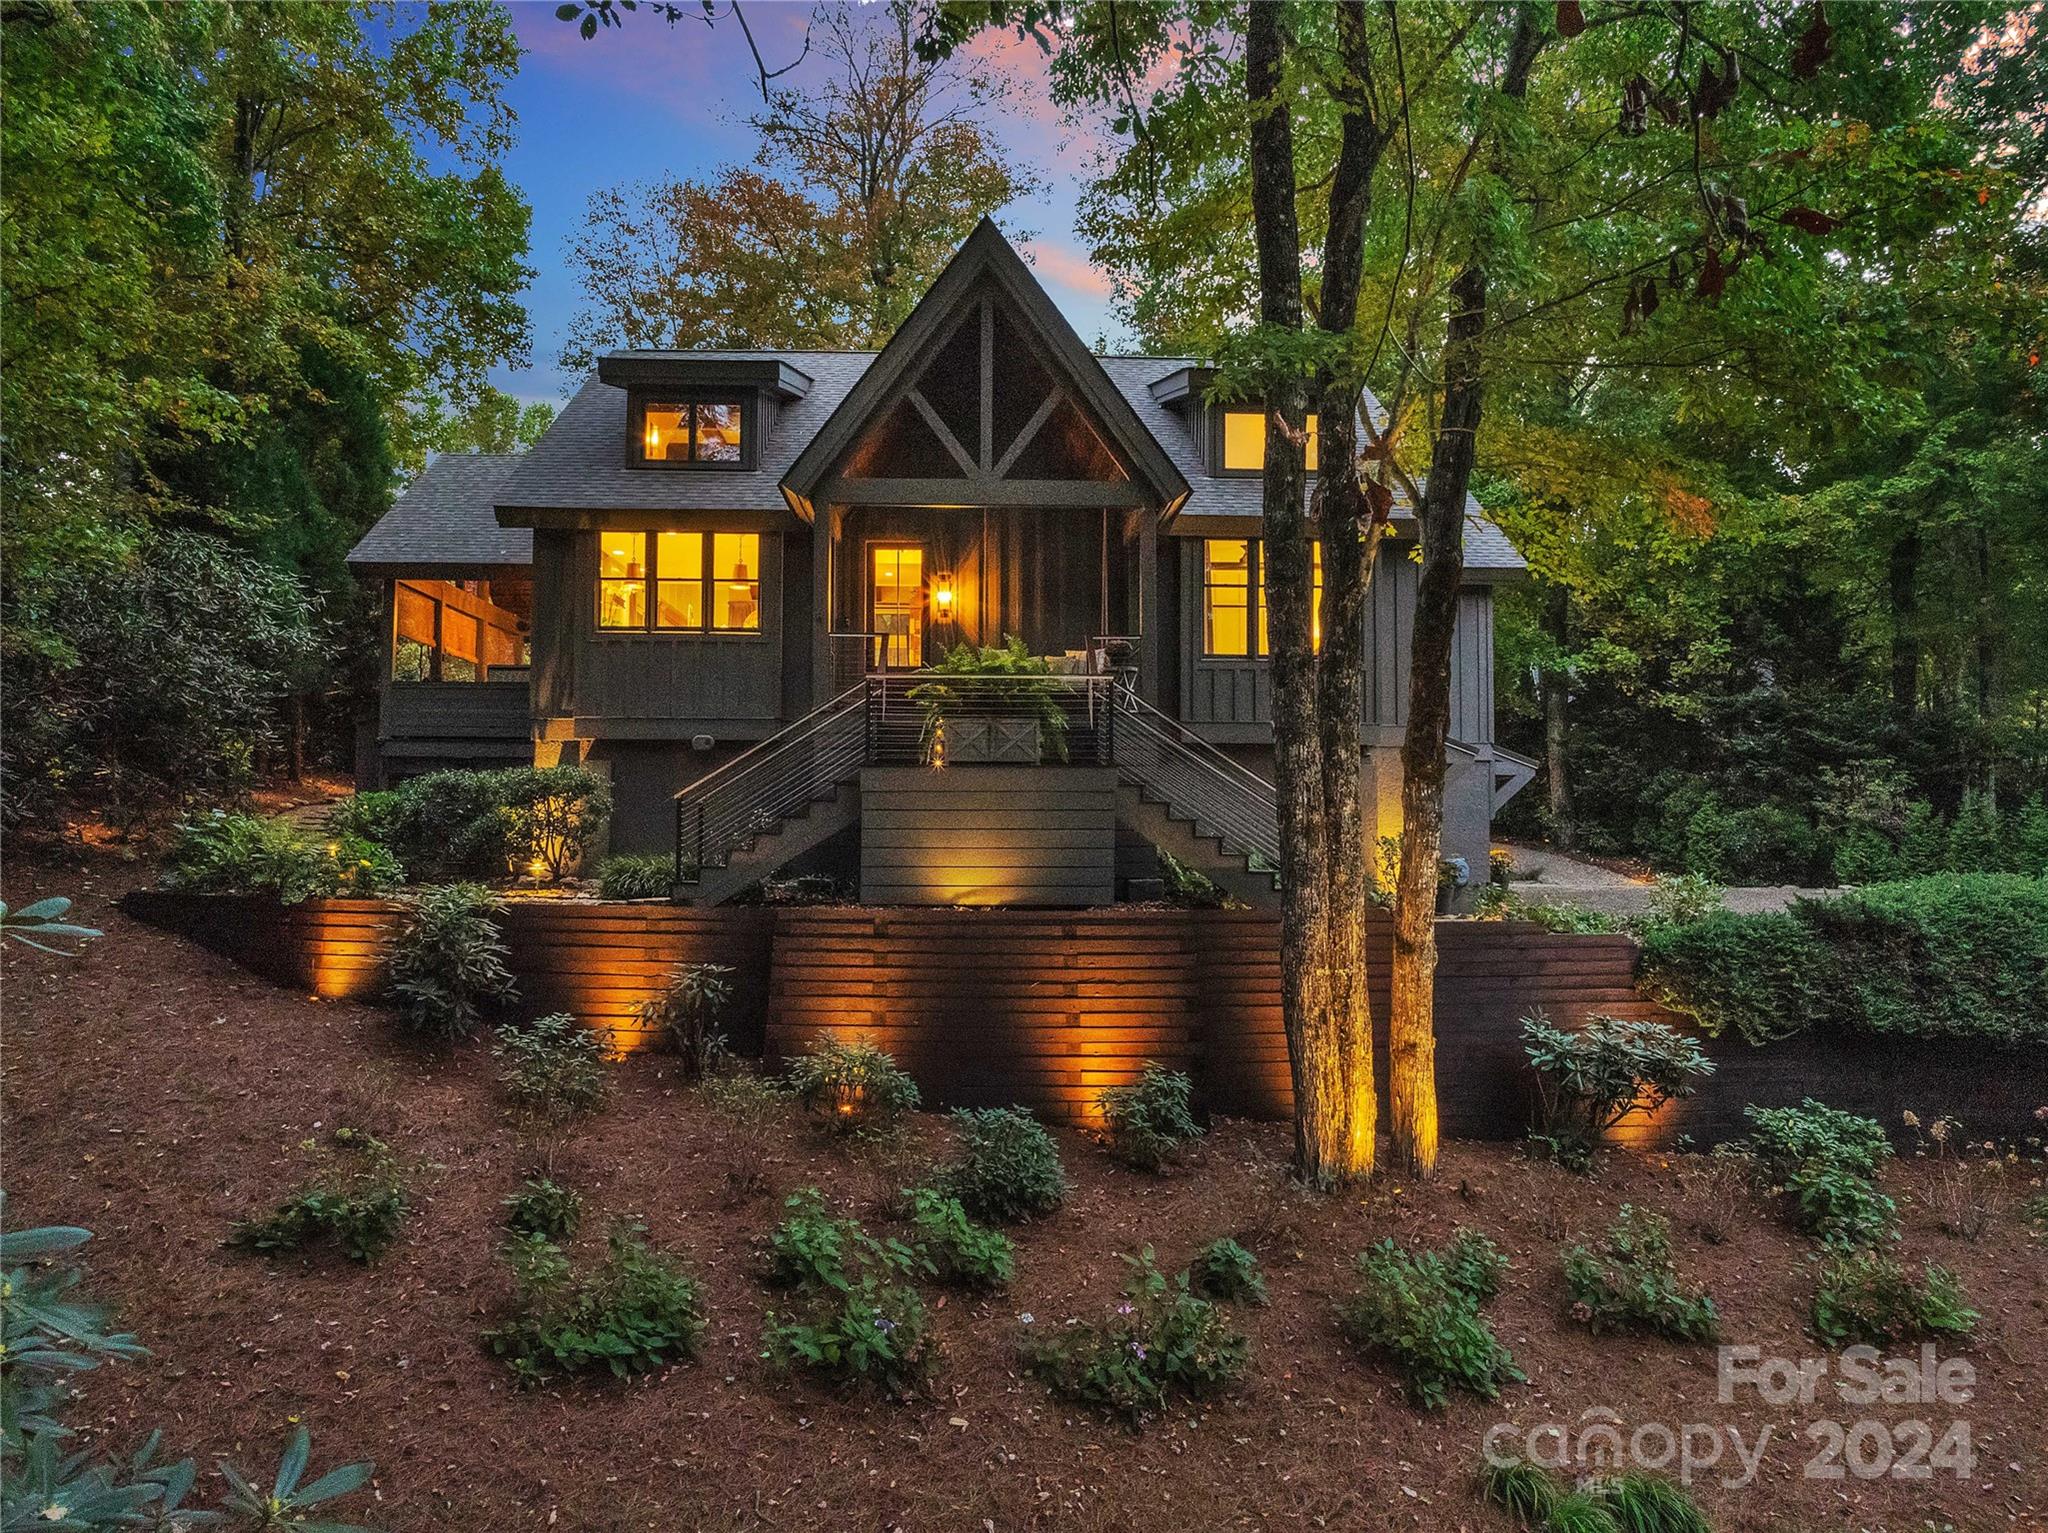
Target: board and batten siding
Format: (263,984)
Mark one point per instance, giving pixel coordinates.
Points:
(1233,698)
(457,710)
(644,685)
(988,835)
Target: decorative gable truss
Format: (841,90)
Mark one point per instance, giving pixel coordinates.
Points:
(985,397)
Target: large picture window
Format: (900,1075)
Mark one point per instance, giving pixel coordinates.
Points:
(1244,441)
(701,582)
(1234,597)
(702,432)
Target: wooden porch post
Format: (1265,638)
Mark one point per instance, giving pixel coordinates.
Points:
(824,681)
(1149,615)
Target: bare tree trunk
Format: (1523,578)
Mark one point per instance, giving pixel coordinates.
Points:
(1556,719)
(1411,1062)
(1987,659)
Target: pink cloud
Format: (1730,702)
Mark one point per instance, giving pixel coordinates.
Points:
(1069,268)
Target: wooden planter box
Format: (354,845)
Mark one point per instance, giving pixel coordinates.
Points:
(994,742)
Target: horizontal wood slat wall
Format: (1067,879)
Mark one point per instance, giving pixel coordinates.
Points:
(1045,1008)
(988,835)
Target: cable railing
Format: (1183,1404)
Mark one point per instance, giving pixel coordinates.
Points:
(728,809)
(934,719)
(1162,757)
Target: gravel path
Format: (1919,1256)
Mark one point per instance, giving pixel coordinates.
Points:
(1564,879)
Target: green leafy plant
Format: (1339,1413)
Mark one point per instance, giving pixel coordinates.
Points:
(1945,956)
(482,824)
(1160,1342)
(1590,1080)
(1225,1270)
(1826,1161)
(48,1336)
(849,1319)
(544,1207)
(1649,1503)
(1189,887)
(552,1067)
(959,1251)
(1420,1314)
(1474,1265)
(222,853)
(1525,1492)
(688,1008)
(42,923)
(1869,1297)
(357,1200)
(1005,1165)
(1147,1121)
(1006,680)
(1629,1283)
(852,1085)
(637,1311)
(446,961)
(1682,898)
(635,876)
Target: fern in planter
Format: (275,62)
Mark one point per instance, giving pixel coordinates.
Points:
(447,961)
(986,682)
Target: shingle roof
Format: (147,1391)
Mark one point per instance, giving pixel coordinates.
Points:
(579,465)
(446,517)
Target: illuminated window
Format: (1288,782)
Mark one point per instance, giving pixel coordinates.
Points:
(1315,600)
(698,431)
(1244,440)
(1232,570)
(622,580)
(702,582)
(1226,596)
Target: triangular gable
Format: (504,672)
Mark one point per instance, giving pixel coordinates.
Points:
(985,394)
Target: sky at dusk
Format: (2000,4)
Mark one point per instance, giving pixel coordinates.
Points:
(652,99)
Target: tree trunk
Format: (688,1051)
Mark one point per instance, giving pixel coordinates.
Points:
(1556,718)
(1905,602)
(1411,1062)
(1323,1137)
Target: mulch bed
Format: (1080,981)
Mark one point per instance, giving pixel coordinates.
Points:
(155,1093)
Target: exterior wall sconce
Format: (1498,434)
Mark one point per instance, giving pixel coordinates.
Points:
(942,597)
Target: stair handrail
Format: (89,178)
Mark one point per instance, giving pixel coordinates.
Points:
(1234,801)
(742,805)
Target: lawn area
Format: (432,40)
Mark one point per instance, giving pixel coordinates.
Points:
(156,1094)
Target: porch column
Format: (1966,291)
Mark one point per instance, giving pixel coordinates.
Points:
(1150,617)
(824,526)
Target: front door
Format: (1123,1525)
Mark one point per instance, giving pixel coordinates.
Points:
(896,603)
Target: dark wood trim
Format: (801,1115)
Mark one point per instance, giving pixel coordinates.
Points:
(746,397)
(970,494)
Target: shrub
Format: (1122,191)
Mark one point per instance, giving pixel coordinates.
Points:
(1590,1080)
(357,1200)
(1649,1503)
(446,961)
(1421,1315)
(1006,1166)
(1681,899)
(1865,855)
(635,876)
(811,1250)
(1160,1342)
(1629,1283)
(1189,887)
(1474,1264)
(1947,956)
(1825,1159)
(484,824)
(1872,1298)
(960,1252)
(636,1312)
(873,1333)
(545,1208)
(222,853)
(849,1319)
(1226,1270)
(1520,1489)
(688,1008)
(554,1067)
(747,1097)
(852,1085)
(1149,1120)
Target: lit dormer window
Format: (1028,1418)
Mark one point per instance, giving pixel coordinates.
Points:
(702,433)
(1244,441)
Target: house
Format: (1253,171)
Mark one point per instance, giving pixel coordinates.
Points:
(719,574)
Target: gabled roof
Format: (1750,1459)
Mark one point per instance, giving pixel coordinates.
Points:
(986,256)
(444,519)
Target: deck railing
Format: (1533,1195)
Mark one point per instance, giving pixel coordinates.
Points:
(929,718)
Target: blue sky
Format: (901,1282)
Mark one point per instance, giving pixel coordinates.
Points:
(651,99)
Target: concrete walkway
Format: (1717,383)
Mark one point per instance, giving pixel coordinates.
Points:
(1564,879)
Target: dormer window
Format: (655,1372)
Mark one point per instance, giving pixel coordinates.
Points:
(1244,441)
(692,433)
